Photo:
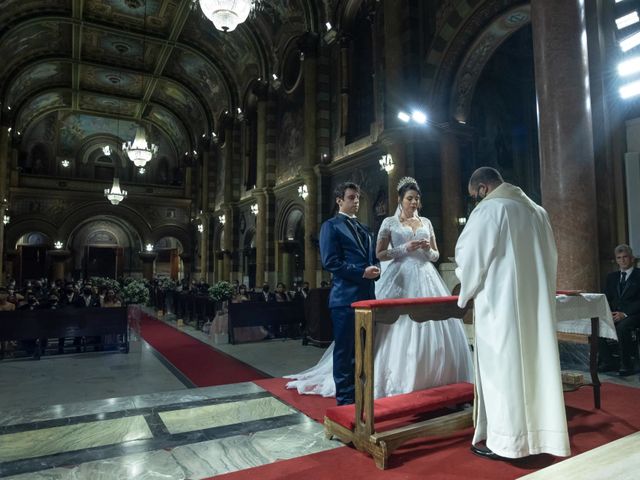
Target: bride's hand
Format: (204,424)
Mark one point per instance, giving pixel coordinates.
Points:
(426,244)
(414,245)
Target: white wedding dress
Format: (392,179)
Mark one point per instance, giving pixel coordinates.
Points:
(408,355)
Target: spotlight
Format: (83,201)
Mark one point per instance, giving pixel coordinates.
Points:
(627,20)
(404,117)
(419,117)
(630,89)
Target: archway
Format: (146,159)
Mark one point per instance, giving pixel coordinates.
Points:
(104,246)
(168,263)
(30,263)
(290,247)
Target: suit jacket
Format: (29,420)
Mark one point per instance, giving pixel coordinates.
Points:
(346,257)
(94,301)
(627,300)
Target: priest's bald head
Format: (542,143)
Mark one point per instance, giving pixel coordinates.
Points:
(483,181)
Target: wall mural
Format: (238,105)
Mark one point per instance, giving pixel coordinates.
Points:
(35,39)
(290,139)
(205,78)
(182,101)
(40,103)
(102,103)
(37,77)
(287,12)
(171,124)
(152,15)
(106,47)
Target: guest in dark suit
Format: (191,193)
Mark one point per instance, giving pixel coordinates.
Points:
(623,293)
(266,295)
(348,252)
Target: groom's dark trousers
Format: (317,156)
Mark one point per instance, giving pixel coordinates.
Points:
(346,250)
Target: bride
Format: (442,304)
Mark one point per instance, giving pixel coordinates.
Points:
(408,355)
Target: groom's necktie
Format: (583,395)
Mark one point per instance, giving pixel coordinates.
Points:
(623,281)
(360,231)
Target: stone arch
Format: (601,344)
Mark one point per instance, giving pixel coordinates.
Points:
(15,230)
(95,209)
(456,30)
(179,233)
(467,75)
(291,215)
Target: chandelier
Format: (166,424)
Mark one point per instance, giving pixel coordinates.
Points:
(303,191)
(140,151)
(115,194)
(386,162)
(226,15)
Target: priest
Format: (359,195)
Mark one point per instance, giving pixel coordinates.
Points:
(506,262)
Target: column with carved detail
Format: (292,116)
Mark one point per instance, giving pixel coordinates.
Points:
(147,264)
(261,181)
(203,239)
(309,48)
(452,195)
(58,261)
(4,161)
(567,167)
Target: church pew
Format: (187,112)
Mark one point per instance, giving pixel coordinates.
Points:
(356,424)
(65,322)
(277,316)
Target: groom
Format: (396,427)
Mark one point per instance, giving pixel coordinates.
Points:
(347,252)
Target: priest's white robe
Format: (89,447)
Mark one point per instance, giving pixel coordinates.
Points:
(506,261)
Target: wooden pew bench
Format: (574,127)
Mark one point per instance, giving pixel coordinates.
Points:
(66,322)
(356,423)
(284,317)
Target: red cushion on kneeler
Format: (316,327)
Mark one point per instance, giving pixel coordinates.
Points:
(398,302)
(421,401)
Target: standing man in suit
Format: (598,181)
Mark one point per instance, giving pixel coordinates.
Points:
(348,252)
(622,289)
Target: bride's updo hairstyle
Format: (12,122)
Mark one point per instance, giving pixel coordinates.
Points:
(405,184)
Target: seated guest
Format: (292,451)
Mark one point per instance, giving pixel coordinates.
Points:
(324,284)
(242,295)
(5,304)
(266,295)
(87,299)
(110,299)
(303,293)
(281,294)
(622,289)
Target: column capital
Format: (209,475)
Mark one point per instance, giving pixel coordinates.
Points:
(148,257)
(57,255)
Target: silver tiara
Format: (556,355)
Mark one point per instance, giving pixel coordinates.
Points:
(406,181)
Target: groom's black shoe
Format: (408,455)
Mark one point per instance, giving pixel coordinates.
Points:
(484,452)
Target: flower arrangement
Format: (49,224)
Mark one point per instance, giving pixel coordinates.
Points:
(166,283)
(107,283)
(221,291)
(135,291)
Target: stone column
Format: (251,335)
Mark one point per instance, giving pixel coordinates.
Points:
(4,161)
(228,242)
(204,246)
(261,235)
(186,264)
(58,260)
(567,173)
(311,158)
(147,264)
(452,204)
(259,192)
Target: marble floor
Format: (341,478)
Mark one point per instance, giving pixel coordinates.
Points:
(109,415)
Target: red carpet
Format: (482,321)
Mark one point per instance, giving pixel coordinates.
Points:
(202,364)
(450,458)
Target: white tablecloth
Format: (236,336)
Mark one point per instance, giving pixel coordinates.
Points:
(574,314)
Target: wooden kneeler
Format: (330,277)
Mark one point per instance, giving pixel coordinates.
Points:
(356,423)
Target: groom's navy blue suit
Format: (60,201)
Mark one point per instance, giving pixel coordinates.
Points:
(347,249)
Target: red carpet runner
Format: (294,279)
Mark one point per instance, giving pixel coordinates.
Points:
(450,458)
(202,364)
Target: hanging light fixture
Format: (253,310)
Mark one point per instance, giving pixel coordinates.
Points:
(6,219)
(106,150)
(222,219)
(255,209)
(58,245)
(140,151)
(115,194)
(303,191)
(226,15)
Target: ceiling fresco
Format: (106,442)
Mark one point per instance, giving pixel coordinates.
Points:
(37,77)
(41,103)
(159,62)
